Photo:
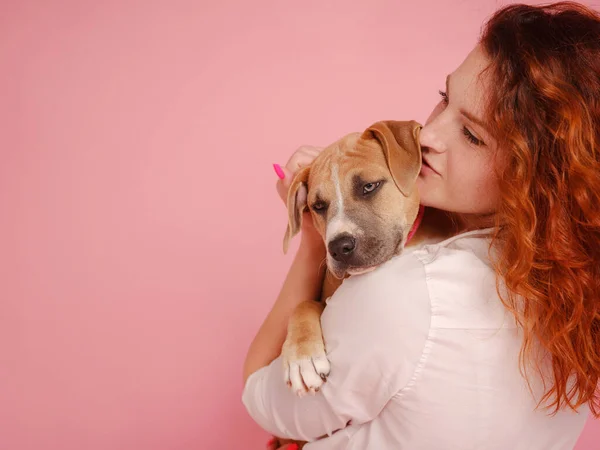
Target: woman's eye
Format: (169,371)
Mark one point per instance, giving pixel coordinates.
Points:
(370,187)
(471,137)
(444,96)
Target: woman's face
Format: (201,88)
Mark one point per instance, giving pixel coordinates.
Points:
(459,155)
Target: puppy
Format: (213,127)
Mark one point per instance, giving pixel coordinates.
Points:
(361,194)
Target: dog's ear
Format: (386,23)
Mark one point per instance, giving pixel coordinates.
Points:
(296,203)
(400,143)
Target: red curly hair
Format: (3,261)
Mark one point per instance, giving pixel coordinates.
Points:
(544,109)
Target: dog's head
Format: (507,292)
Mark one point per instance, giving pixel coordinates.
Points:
(361,194)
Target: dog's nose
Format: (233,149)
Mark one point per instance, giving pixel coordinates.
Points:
(342,247)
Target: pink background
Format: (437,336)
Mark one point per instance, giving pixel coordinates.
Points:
(140,229)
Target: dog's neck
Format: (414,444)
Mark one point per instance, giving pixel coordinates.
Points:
(416,223)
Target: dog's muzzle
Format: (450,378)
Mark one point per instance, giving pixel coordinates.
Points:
(342,248)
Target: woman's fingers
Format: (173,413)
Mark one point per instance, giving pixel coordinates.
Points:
(302,157)
(285,177)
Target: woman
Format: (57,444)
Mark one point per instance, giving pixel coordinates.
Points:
(453,346)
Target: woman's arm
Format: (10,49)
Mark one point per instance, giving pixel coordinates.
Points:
(375,327)
(303,282)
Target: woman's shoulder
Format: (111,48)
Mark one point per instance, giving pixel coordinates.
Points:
(464,256)
(471,248)
(387,299)
(459,255)
(403,273)
(449,279)
(463,284)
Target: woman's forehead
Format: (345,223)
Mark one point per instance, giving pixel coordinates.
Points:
(469,83)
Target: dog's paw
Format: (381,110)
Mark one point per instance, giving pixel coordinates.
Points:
(306,366)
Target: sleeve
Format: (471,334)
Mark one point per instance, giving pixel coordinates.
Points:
(375,327)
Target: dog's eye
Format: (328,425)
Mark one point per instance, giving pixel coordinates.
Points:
(319,206)
(370,187)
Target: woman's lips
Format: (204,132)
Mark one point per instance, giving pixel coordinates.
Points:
(426,167)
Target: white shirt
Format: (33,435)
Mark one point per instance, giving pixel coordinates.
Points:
(423,357)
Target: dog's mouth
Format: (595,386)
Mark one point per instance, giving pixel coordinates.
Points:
(341,270)
(360,270)
(366,264)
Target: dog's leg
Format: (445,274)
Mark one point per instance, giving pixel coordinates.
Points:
(305,360)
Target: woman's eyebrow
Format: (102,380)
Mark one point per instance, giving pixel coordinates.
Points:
(465,113)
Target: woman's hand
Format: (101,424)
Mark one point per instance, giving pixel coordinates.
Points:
(302,157)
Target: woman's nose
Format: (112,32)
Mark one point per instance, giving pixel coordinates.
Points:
(431,136)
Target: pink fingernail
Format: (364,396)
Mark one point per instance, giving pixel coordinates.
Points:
(278,171)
